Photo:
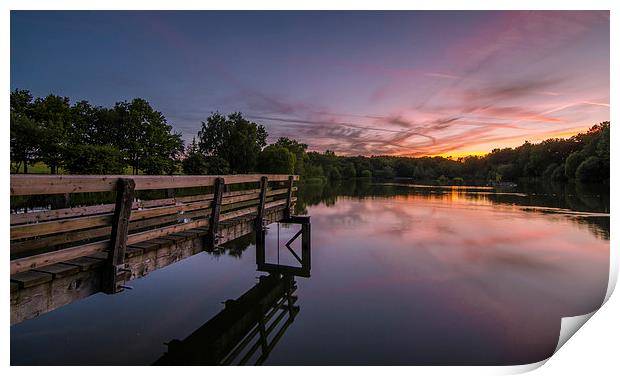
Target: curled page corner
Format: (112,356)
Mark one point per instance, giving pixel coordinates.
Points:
(570,326)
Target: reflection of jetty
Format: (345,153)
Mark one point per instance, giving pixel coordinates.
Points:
(256,320)
(140,224)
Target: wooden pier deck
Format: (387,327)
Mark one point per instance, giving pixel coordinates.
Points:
(123,227)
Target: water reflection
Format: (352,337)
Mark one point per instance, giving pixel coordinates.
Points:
(245,331)
(588,204)
(401,275)
(259,318)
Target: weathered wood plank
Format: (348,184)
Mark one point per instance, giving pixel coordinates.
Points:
(47,215)
(59,270)
(65,225)
(85,263)
(31,262)
(82,211)
(30,278)
(54,184)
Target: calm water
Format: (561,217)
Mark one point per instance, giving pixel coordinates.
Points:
(400,275)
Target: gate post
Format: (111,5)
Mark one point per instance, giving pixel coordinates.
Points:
(289,198)
(258,225)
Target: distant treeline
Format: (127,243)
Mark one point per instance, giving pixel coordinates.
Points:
(86,139)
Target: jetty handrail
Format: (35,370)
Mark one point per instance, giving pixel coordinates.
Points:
(22,185)
(57,235)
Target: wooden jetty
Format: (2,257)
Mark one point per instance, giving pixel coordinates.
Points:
(62,252)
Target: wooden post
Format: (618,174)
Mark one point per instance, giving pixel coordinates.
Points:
(214,221)
(118,238)
(289,197)
(261,204)
(306,247)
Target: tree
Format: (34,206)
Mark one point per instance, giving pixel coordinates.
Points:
(234,139)
(572,162)
(25,136)
(333,173)
(298,150)
(25,133)
(94,159)
(53,115)
(276,159)
(591,170)
(195,163)
(147,140)
(218,166)
(558,173)
(348,172)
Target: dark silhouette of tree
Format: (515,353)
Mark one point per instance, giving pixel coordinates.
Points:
(25,133)
(94,159)
(195,163)
(233,139)
(276,159)
(53,115)
(145,137)
(298,150)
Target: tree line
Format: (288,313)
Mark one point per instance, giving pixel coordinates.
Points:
(87,139)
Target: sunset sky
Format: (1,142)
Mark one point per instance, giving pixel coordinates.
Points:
(400,83)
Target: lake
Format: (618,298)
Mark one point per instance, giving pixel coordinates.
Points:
(402,274)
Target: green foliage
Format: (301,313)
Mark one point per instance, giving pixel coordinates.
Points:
(442,180)
(558,173)
(572,162)
(366,174)
(276,159)
(591,170)
(218,166)
(458,181)
(94,159)
(25,138)
(147,141)
(333,173)
(234,139)
(53,115)
(195,163)
(52,131)
(349,171)
(298,150)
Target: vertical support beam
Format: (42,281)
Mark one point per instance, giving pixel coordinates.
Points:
(258,226)
(262,329)
(305,247)
(289,198)
(260,249)
(115,275)
(214,221)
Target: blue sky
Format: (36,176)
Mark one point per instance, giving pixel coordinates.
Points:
(401,83)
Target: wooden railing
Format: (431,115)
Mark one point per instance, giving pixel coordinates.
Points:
(50,236)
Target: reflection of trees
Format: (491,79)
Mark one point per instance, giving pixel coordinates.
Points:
(574,196)
(236,247)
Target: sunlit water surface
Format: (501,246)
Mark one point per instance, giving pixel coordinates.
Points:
(400,275)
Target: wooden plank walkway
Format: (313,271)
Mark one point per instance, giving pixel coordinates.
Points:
(64,254)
